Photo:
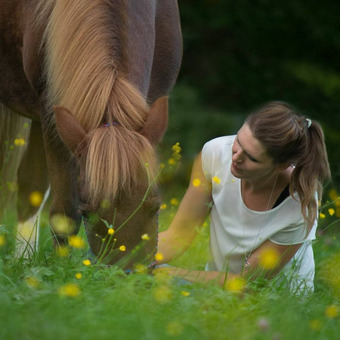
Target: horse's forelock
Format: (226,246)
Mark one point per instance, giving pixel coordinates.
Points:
(117,159)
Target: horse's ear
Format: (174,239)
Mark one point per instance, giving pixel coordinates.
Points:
(70,131)
(157,122)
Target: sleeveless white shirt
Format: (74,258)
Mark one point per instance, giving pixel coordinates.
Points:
(235,230)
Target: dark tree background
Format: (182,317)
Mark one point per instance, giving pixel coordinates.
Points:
(241,54)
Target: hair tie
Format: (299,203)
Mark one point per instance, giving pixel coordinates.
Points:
(309,122)
(113,124)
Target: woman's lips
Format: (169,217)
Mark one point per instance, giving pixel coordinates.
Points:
(236,167)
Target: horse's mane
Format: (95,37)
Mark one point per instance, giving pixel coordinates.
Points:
(85,49)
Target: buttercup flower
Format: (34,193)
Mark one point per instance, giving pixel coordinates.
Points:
(174,201)
(331,211)
(162,294)
(196,182)
(87,262)
(32,282)
(174,328)
(76,242)
(145,237)
(185,293)
(19,142)
(159,257)
(110,231)
(36,198)
(78,276)
(269,258)
(235,285)
(122,248)
(63,251)
(216,179)
(332,311)
(171,161)
(322,215)
(315,324)
(70,290)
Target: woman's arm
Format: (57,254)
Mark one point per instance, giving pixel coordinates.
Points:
(265,261)
(191,214)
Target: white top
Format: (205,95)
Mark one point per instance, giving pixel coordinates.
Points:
(235,230)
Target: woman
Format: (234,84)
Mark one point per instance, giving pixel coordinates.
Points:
(261,188)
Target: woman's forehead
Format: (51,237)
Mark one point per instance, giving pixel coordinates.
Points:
(250,144)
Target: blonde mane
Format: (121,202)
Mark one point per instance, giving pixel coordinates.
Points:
(84,43)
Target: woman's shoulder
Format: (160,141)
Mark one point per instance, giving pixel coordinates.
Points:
(216,153)
(218,144)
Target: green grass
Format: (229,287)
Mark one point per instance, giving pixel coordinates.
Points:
(111,305)
(105,303)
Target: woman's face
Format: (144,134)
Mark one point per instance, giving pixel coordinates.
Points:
(249,158)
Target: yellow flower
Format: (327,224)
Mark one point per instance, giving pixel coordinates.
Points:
(2,240)
(331,211)
(19,142)
(141,268)
(174,201)
(176,148)
(216,179)
(174,328)
(332,311)
(235,285)
(315,324)
(159,257)
(105,204)
(110,231)
(87,262)
(36,198)
(70,290)
(171,161)
(196,182)
(185,293)
(322,215)
(78,276)
(269,258)
(145,237)
(163,206)
(63,224)
(122,248)
(162,294)
(32,282)
(76,242)
(63,251)
(333,195)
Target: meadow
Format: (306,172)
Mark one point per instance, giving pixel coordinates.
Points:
(62,295)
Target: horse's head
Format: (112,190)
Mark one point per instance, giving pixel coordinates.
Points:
(117,189)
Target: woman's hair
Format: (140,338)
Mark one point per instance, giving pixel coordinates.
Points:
(290,137)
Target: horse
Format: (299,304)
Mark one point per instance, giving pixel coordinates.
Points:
(90,79)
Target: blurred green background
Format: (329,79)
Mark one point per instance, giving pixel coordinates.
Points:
(241,54)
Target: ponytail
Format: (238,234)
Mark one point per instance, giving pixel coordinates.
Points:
(310,172)
(289,137)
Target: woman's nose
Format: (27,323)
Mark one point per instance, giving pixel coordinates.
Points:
(237,157)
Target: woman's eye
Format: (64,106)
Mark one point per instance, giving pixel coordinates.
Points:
(253,159)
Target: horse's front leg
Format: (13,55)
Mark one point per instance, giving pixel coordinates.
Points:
(32,185)
(65,215)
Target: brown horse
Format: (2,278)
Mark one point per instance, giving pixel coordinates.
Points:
(92,77)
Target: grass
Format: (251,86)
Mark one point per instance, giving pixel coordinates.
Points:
(41,298)
(50,296)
